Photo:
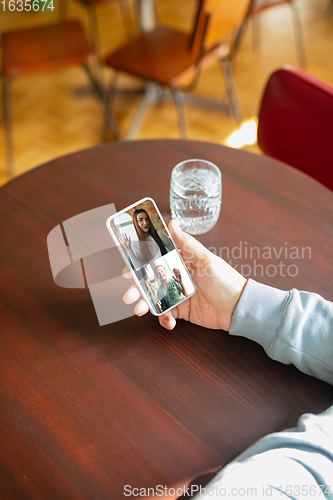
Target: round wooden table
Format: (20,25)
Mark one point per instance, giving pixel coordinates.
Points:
(86,410)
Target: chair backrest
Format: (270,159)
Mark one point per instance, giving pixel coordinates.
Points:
(295,122)
(225,16)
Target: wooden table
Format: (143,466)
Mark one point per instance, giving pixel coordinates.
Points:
(86,410)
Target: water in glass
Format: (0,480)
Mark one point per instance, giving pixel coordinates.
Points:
(195,195)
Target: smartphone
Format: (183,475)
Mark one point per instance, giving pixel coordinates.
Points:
(151,256)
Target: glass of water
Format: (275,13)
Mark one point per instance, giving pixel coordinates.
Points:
(196,195)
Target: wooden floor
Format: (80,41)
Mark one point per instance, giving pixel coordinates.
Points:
(50,120)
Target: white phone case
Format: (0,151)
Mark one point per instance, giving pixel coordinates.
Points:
(171,260)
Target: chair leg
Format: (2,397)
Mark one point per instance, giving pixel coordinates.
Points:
(96,41)
(146,101)
(146,15)
(180,104)
(237,39)
(110,96)
(298,36)
(8,126)
(104,103)
(127,18)
(94,31)
(256,32)
(233,99)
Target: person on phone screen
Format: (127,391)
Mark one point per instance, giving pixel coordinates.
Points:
(151,243)
(171,290)
(293,327)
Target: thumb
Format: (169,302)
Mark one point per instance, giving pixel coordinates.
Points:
(179,236)
(188,245)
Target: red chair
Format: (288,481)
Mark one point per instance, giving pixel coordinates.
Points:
(295,122)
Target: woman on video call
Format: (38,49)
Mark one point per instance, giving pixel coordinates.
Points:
(150,244)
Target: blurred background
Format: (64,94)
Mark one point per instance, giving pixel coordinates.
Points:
(51,118)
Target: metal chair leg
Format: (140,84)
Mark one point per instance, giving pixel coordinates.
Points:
(127,18)
(94,31)
(104,103)
(146,15)
(233,99)
(96,41)
(256,32)
(8,126)
(110,96)
(237,39)
(146,101)
(298,36)
(180,104)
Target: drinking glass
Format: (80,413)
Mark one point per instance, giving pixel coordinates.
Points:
(196,195)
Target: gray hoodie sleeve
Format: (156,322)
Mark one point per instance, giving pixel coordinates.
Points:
(293,327)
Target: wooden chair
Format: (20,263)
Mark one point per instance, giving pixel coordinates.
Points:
(172,59)
(45,48)
(260,6)
(295,122)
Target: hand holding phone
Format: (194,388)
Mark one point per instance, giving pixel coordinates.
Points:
(218,287)
(150,254)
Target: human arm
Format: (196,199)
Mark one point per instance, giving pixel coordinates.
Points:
(178,278)
(293,327)
(132,249)
(135,254)
(126,241)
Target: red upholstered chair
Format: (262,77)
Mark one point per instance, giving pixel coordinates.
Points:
(295,123)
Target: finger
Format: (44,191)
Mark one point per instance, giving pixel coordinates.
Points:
(176,232)
(126,274)
(132,295)
(141,308)
(167,320)
(190,247)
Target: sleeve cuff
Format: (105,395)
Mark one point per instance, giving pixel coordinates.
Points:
(259,313)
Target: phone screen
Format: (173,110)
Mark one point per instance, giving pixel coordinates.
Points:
(149,252)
